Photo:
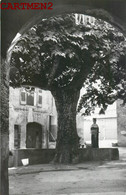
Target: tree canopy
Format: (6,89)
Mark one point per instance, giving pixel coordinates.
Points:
(59,53)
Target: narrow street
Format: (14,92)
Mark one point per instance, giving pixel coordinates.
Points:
(108,178)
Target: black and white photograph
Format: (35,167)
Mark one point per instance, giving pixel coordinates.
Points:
(63,97)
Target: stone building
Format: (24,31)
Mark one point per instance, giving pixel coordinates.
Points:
(32,123)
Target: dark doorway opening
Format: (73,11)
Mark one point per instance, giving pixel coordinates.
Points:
(34,135)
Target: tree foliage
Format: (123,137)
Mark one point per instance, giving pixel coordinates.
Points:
(59,54)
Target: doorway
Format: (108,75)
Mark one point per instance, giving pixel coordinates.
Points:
(34,135)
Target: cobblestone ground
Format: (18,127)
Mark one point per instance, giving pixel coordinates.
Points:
(107,178)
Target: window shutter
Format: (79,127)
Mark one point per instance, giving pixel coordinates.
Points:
(40,98)
(23,97)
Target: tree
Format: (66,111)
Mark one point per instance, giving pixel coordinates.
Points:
(61,56)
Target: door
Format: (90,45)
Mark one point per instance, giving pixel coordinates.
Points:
(33,135)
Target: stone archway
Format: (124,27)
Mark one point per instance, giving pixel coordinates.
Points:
(14,21)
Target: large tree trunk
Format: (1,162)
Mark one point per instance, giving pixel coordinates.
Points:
(67,138)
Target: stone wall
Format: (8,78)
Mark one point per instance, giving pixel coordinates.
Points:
(42,156)
(4,127)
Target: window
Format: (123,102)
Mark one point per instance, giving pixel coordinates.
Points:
(23,97)
(17,136)
(30,98)
(27,97)
(40,99)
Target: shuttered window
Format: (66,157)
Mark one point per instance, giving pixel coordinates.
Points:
(30,99)
(27,97)
(23,97)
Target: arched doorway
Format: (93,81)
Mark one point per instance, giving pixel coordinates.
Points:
(34,135)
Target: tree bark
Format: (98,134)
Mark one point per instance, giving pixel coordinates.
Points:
(67,138)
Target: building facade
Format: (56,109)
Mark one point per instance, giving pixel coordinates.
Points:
(32,123)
